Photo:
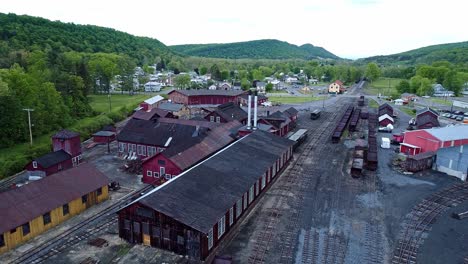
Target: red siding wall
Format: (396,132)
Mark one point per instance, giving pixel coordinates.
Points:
(385,122)
(101,139)
(52,169)
(72,146)
(153,165)
(422,139)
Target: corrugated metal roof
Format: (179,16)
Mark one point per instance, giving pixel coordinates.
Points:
(104,133)
(449,133)
(231,111)
(194,92)
(154,99)
(385,116)
(53,158)
(147,115)
(173,107)
(21,205)
(200,196)
(65,134)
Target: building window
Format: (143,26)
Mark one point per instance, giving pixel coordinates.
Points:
(35,164)
(231,216)
(161,162)
(12,231)
(218,119)
(151,151)
(263,181)
(84,198)
(59,167)
(156,174)
(65,209)
(122,146)
(46,218)
(221,226)
(26,229)
(99,191)
(139,150)
(160,149)
(257,188)
(245,201)
(210,239)
(238,208)
(211,118)
(251,193)
(2,241)
(167,176)
(162,171)
(149,173)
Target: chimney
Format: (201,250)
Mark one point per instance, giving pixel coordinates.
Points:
(249,109)
(255,111)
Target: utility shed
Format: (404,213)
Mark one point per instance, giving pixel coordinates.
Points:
(40,205)
(50,163)
(193,212)
(420,161)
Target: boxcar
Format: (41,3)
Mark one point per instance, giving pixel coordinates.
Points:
(315,114)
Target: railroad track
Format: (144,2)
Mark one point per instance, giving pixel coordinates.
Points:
(298,181)
(418,222)
(82,231)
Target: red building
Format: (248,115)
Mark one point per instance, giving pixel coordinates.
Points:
(151,103)
(386,109)
(175,159)
(227,112)
(419,141)
(145,138)
(427,118)
(102,137)
(193,213)
(280,122)
(204,97)
(70,142)
(50,163)
(385,120)
(154,113)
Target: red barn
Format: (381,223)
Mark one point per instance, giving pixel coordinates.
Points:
(193,213)
(102,137)
(419,141)
(204,97)
(151,103)
(70,142)
(427,118)
(386,109)
(172,161)
(50,163)
(280,122)
(227,112)
(385,120)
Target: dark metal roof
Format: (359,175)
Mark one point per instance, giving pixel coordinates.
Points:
(259,97)
(104,133)
(291,111)
(21,205)
(209,92)
(65,134)
(427,109)
(231,111)
(200,196)
(192,122)
(172,107)
(155,132)
(216,139)
(53,158)
(147,115)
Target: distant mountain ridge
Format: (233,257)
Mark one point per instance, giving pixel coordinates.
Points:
(256,49)
(452,52)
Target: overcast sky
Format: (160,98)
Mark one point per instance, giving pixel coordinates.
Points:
(347,28)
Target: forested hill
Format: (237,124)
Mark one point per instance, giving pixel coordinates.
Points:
(452,52)
(257,49)
(21,32)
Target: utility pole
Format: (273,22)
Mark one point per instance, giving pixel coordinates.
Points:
(29,110)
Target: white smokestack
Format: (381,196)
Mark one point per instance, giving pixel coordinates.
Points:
(249,109)
(255,111)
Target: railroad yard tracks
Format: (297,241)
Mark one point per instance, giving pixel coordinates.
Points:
(86,229)
(291,188)
(418,222)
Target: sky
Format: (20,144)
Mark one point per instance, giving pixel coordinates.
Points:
(348,28)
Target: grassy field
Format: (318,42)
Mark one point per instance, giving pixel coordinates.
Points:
(293,99)
(100,103)
(384,86)
(373,103)
(440,101)
(407,110)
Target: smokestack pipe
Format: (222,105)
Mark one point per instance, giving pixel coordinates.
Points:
(249,110)
(255,111)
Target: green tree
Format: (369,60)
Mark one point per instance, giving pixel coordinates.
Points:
(203,70)
(453,82)
(245,84)
(268,87)
(372,71)
(403,87)
(182,81)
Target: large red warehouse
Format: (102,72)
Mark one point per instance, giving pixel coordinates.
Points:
(193,213)
(424,140)
(204,97)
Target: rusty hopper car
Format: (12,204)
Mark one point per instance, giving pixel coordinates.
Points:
(420,161)
(356,168)
(341,126)
(354,120)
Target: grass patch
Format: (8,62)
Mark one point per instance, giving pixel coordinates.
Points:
(384,86)
(440,101)
(373,103)
(408,111)
(100,102)
(293,99)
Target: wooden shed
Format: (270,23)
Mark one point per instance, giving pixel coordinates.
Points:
(103,137)
(419,162)
(40,205)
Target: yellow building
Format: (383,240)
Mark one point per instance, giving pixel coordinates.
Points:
(336,87)
(38,206)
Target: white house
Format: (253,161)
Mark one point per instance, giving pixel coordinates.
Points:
(398,101)
(152,87)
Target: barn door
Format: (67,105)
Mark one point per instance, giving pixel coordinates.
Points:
(193,244)
(146,234)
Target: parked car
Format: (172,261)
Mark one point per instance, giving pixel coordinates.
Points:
(453,116)
(446,114)
(459,118)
